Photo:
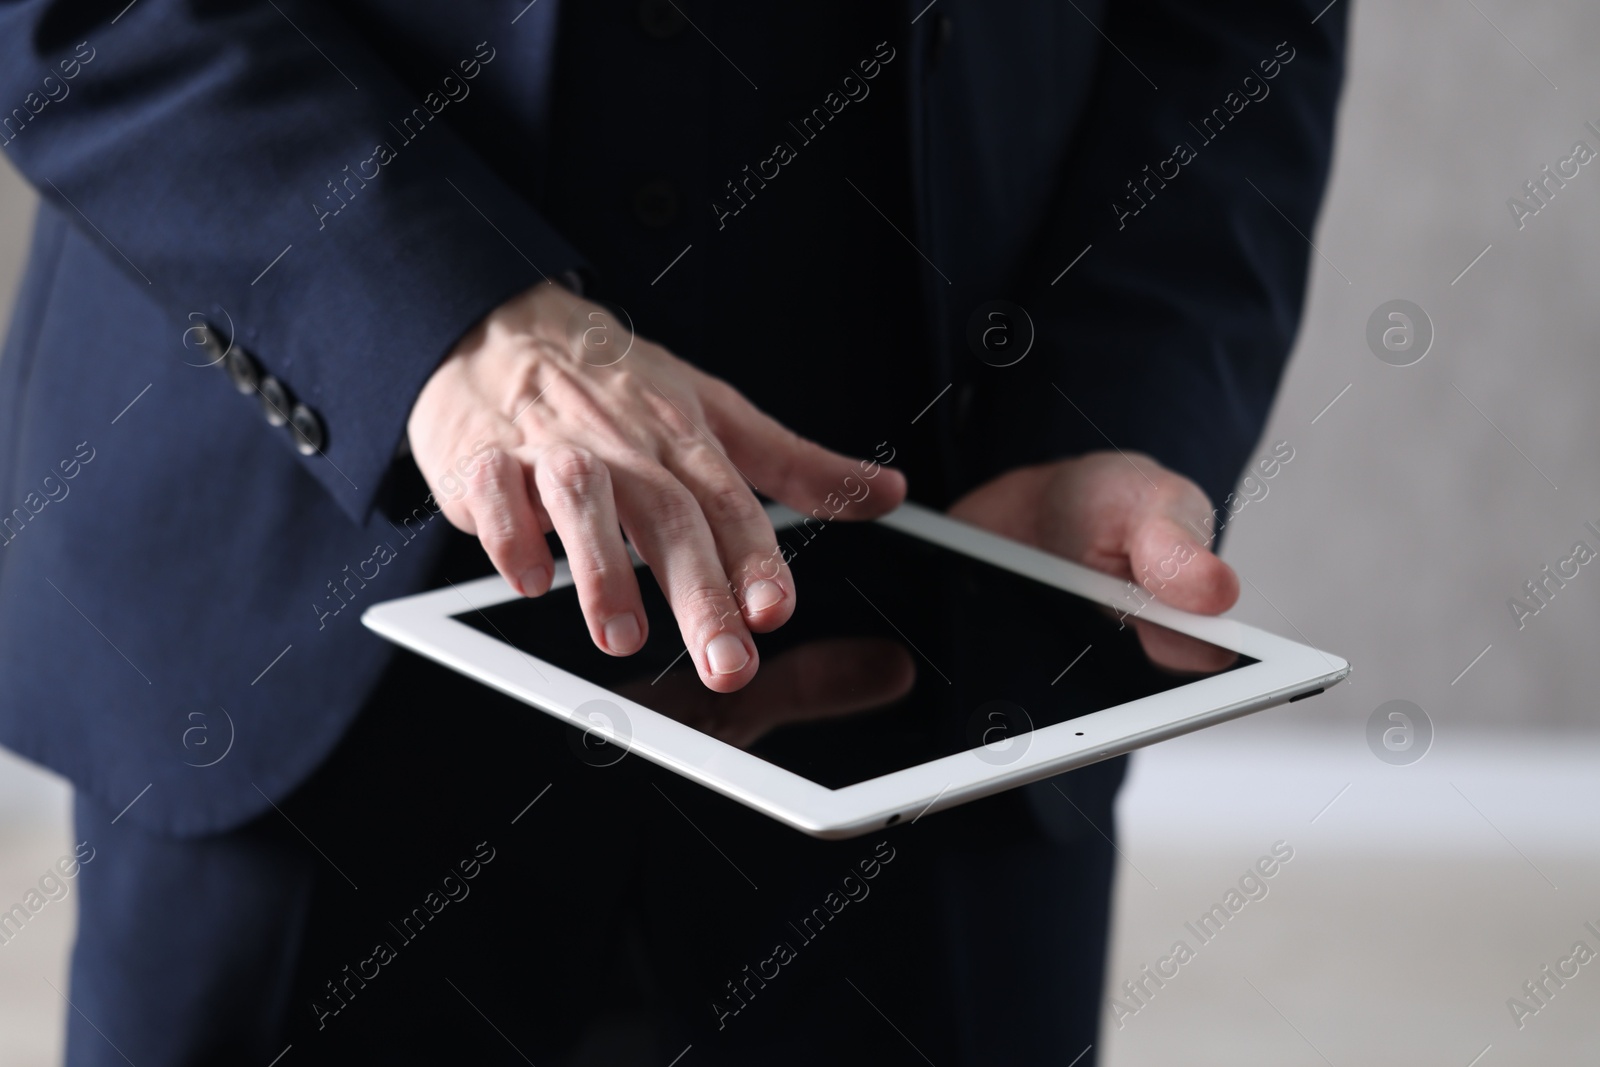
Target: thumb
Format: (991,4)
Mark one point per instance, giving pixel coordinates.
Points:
(798,472)
(1167,546)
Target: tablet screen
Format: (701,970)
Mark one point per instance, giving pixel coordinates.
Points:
(900,651)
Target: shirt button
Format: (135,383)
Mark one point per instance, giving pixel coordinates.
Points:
(243,370)
(306,426)
(275,401)
(655,204)
(660,19)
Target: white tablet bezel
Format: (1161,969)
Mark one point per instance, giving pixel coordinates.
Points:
(1286,670)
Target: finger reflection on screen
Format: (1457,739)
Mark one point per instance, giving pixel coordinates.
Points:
(1180,653)
(897,649)
(824,679)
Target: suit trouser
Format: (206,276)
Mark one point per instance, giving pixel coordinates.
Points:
(407,905)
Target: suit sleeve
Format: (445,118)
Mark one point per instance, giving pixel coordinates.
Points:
(1190,192)
(256,165)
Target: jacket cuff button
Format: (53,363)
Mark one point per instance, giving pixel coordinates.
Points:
(243,370)
(275,401)
(306,426)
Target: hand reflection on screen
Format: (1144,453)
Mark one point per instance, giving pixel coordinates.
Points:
(823,679)
(1180,653)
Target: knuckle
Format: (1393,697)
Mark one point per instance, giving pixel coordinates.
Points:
(674,513)
(497,529)
(719,392)
(489,477)
(677,414)
(705,603)
(1190,497)
(572,471)
(1179,492)
(598,577)
(657,353)
(498,543)
(728,504)
(624,379)
(793,457)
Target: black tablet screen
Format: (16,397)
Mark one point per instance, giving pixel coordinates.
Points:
(899,652)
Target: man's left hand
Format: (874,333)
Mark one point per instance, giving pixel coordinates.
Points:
(1126,515)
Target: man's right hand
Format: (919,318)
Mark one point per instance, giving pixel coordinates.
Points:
(555,417)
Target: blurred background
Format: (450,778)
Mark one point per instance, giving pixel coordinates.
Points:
(1422,892)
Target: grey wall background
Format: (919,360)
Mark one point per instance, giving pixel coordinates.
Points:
(1422,896)
(16,219)
(1413,519)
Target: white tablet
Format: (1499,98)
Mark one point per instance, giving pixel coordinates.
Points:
(928,663)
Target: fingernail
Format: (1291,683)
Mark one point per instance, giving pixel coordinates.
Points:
(535,581)
(761,594)
(726,654)
(622,634)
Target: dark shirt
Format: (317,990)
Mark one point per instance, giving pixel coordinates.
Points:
(817,312)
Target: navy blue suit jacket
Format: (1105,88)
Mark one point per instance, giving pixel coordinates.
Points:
(176,577)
